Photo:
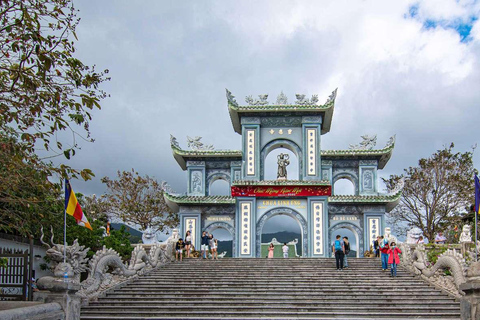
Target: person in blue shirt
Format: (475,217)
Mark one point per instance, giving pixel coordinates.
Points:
(338,249)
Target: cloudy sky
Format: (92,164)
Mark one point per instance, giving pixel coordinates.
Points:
(410,68)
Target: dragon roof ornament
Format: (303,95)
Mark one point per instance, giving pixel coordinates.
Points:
(367,144)
(231,98)
(391,141)
(174,142)
(332,97)
(282,99)
(196,144)
(261,101)
(302,101)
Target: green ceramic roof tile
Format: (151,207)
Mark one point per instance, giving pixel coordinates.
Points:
(200,199)
(390,200)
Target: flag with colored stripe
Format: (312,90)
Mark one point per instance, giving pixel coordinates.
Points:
(72,207)
(477,195)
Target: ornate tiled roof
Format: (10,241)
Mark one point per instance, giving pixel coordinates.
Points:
(307,107)
(183,155)
(174,200)
(391,200)
(281,183)
(382,155)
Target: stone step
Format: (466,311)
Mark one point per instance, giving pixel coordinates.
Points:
(393,301)
(437,296)
(275,314)
(287,295)
(274,289)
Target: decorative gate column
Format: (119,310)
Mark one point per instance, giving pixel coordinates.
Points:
(245,226)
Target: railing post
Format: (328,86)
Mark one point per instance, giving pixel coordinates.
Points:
(470,303)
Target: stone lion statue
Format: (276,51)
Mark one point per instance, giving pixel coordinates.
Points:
(466,235)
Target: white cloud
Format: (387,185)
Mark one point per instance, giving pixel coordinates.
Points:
(170,63)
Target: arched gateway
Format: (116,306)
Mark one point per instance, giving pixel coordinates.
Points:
(297,127)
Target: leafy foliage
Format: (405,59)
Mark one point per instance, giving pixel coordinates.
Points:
(3,262)
(95,239)
(27,197)
(139,200)
(437,192)
(44,89)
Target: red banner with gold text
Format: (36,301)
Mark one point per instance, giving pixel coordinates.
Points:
(281,191)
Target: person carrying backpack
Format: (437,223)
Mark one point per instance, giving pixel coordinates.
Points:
(338,249)
(346,244)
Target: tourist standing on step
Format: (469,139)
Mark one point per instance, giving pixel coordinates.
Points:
(213,246)
(188,243)
(346,245)
(204,244)
(376,247)
(338,249)
(271,249)
(383,252)
(393,258)
(285,250)
(179,249)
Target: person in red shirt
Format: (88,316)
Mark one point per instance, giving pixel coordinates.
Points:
(393,258)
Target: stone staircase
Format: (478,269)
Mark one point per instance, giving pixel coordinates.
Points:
(274,289)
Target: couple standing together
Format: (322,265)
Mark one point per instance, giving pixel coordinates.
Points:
(341,249)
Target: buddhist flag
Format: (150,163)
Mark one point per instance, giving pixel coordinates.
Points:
(477,195)
(72,207)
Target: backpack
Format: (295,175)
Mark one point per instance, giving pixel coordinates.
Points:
(338,245)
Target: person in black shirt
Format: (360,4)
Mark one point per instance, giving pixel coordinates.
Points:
(204,247)
(179,249)
(376,247)
(346,244)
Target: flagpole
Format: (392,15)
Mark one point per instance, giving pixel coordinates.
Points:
(476,247)
(65,275)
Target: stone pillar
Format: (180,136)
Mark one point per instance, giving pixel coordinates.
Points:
(470,303)
(54,289)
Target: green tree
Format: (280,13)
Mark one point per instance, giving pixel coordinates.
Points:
(436,192)
(139,201)
(27,197)
(44,88)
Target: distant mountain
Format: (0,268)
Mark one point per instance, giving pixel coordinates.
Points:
(225,245)
(135,235)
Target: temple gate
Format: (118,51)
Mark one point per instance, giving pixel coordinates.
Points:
(310,200)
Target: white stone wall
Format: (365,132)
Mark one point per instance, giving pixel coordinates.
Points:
(37,250)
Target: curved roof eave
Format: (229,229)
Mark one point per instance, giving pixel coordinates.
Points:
(390,200)
(181,156)
(382,155)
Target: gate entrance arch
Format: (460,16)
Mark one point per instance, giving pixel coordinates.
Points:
(354,229)
(222,225)
(288,212)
